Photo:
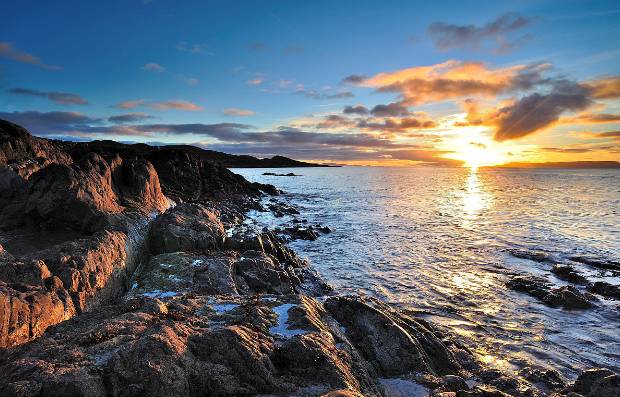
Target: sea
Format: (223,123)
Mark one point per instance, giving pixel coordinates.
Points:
(443,242)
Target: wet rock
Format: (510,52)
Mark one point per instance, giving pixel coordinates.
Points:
(533,255)
(568,273)
(394,344)
(482,391)
(548,379)
(276,174)
(591,380)
(567,297)
(596,262)
(301,233)
(605,289)
(281,209)
(186,227)
(454,383)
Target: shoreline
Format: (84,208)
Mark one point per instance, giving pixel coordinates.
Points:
(148,289)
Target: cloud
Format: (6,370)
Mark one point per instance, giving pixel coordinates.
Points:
(357,109)
(354,79)
(613,135)
(238,112)
(176,105)
(62,98)
(129,104)
(195,48)
(397,125)
(447,36)
(313,94)
(391,110)
(293,49)
(605,88)
(258,80)
(234,137)
(7,50)
(189,80)
(153,67)
(456,79)
(49,123)
(538,111)
(129,118)
(565,150)
(164,105)
(592,118)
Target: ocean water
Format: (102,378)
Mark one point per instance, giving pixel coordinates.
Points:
(438,241)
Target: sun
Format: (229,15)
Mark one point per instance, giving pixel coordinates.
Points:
(475,149)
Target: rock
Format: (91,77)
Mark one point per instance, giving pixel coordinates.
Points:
(482,391)
(258,272)
(568,273)
(301,233)
(605,289)
(454,383)
(549,379)
(596,262)
(536,256)
(394,344)
(276,174)
(608,386)
(586,380)
(186,227)
(567,297)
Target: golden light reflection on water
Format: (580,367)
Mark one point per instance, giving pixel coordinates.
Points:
(475,199)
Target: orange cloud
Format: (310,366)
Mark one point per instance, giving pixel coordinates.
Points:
(176,105)
(238,112)
(605,88)
(455,79)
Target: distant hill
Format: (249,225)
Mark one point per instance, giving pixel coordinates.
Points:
(227,160)
(245,161)
(563,164)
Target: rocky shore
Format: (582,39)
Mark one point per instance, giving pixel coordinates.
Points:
(124,272)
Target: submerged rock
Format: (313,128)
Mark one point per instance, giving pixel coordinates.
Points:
(567,297)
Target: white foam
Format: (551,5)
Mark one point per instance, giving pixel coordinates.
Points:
(281,329)
(197,262)
(395,387)
(221,308)
(160,294)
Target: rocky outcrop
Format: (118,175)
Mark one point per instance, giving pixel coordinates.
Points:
(74,219)
(186,227)
(567,297)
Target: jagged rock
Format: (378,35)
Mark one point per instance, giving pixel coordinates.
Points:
(394,344)
(605,289)
(568,273)
(144,347)
(596,262)
(567,297)
(186,227)
(597,382)
(549,379)
(537,256)
(256,271)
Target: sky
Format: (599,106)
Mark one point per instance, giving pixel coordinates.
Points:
(348,82)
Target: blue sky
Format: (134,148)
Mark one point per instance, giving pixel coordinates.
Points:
(275,65)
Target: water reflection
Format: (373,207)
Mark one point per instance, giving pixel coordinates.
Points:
(475,199)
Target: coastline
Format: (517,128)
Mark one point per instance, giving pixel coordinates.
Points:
(152,289)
